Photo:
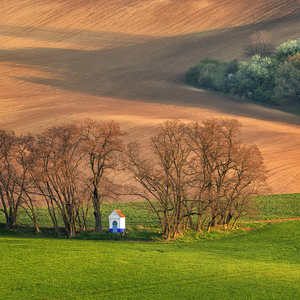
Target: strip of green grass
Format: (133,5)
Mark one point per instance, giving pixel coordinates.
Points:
(263,264)
(143,225)
(281,206)
(136,214)
(270,207)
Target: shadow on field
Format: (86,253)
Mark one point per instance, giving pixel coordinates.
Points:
(147,69)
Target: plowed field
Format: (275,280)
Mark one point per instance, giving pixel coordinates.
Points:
(63,60)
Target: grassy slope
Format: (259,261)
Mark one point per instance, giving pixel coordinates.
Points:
(263,264)
(280,206)
(283,206)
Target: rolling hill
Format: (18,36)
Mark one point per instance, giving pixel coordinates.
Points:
(63,60)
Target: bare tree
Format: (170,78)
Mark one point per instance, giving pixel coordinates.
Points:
(162,177)
(259,42)
(10,193)
(15,182)
(25,162)
(201,170)
(102,142)
(58,174)
(227,172)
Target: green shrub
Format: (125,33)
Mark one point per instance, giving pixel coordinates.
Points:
(273,79)
(288,81)
(256,79)
(288,48)
(192,75)
(212,74)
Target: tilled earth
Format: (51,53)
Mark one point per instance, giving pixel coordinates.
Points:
(63,60)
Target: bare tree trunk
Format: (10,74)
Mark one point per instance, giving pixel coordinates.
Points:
(37,229)
(199,223)
(30,205)
(52,214)
(71,230)
(32,216)
(167,234)
(11,220)
(98,221)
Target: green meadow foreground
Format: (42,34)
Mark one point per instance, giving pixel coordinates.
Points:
(262,264)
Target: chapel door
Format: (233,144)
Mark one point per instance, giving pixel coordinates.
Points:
(115,226)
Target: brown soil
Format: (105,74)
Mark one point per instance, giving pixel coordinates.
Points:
(63,60)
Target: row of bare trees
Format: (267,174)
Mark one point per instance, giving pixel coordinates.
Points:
(197,171)
(202,170)
(67,166)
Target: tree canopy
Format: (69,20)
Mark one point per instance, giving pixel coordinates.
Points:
(272,79)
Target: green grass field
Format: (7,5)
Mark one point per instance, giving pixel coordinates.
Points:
(260,264)
(134,212)
(270,207)
(282,206)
